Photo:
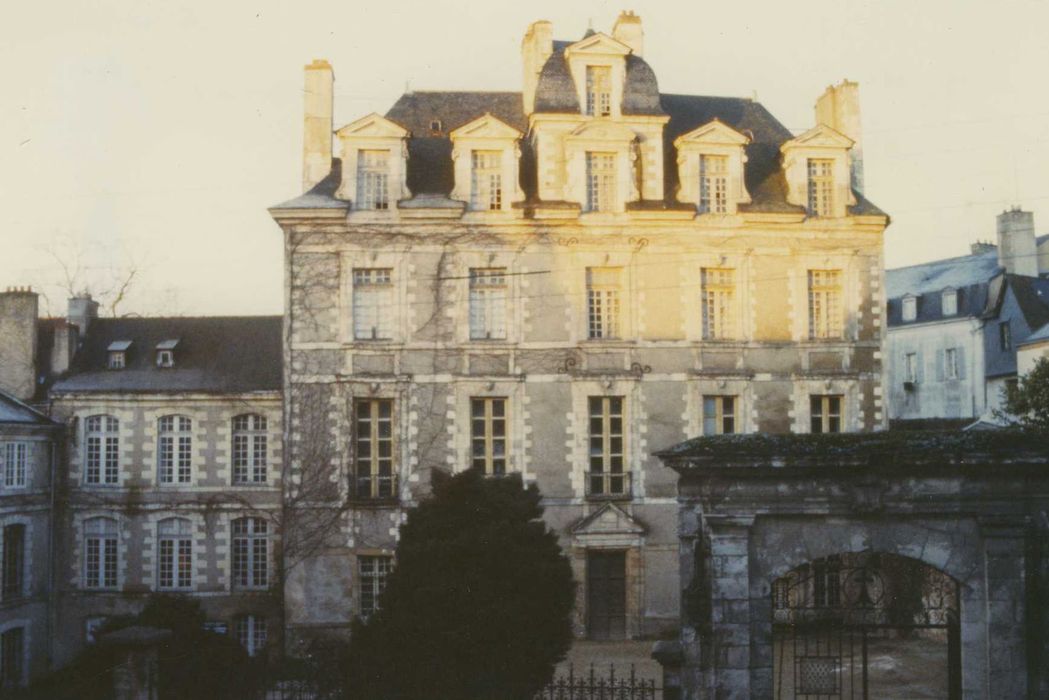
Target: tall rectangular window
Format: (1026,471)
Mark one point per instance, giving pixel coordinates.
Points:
(175,450)
(713,184)
(949,302)
(175,561)
(910,368)
(373,449)
(103,450)
(606,449)
(719,288)
(15,456)
(251,633)
(825,413)
(249,449)
(250,553)
(602,302)
(1005,336)
(599,91)
(373,177)
(371,581)
(821,186)
(14,562)
(719,415)
(600,181)
(488,303)
(825,313)
(100,553)
(950,363)
(488,435)
(373,303)
(486,180)
(12,658)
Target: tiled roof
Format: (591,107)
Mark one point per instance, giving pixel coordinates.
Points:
(969,275)
(1040,335)
(1032,296)
(219,354)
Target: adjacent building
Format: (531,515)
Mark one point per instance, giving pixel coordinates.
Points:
(558,282)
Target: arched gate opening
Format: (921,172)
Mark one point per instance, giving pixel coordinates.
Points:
(865,625)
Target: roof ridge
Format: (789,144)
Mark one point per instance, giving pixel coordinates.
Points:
(941,260)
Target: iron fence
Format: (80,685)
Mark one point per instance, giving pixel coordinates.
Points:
(591,686)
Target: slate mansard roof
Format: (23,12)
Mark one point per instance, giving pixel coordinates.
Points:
(231,354)
(16,413)
(968,275)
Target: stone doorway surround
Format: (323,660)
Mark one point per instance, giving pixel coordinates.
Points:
(752,508)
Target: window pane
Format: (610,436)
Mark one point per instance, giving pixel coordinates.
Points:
(600,181)
(373,179)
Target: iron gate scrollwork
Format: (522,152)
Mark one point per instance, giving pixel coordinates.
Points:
(852,625)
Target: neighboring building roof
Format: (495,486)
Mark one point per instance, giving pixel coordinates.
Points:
(1032,296)
(224,354)
(1039,336)
(13,411)
(968,275)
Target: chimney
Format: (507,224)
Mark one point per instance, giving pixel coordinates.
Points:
(982,247)
(63,347)
(627,30)
(1017,251)
(82,310)
(317,124)
(839,108)
(19,307)
(536,47)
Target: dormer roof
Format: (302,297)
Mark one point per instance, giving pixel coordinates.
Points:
(119,346)
(169,344)
(714,131)
(556,92)
(598,43)
(486,127)
(820,136)
(373,126)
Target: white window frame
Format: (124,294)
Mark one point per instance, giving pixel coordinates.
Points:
(718,292)
(490,434)
(720,414)
(15,459)
(249,554)
(116,359)
(373,303)
(950,364)
(378,468)
(101,553)
(910,367)
(252,632)
(825,295)
(949,302)
(488,303)
(598,91)
(175,560)
(820,186)
(174,450)
(603,306)
(101,450)
(601,181)
(608,466)
(373,179)
(250,447)
(486,180)
(372,572)
(713,183)
(909,308)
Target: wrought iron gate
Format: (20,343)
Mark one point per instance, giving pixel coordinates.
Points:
(865,625)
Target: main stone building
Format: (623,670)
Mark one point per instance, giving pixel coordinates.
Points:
(560,282)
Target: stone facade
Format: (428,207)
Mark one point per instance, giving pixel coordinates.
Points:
(595,202)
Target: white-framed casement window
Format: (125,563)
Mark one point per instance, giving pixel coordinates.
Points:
(100,553)
(102,458)
(371,582)
(12,658)
(950,364)
(910,367)
(719,414)
(821,186)
(14,458)
(373,449)
(174,450)
(1005,336)
(488,435)
(909,308)
(486,180)
(718,292)
(373,303)
(949,302)
(606,450)
(602,302)
(713,184)
(250,443)
(825,312)
(488,303)
(600,181)
(12,585)
(250,553)
(598,91)
(115,359)
(175,554)
(825,413)
(373,179)
(250,631)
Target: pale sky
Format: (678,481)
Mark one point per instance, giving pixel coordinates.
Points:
(160,131)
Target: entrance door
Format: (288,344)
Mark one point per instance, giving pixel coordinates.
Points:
(606,594)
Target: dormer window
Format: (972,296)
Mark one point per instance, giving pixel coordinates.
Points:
(600,181)
(166,353)
(599,91)
(373,191)
(486,181)
(910,308)
(949,302)
(821,187)
(711,161)
(116,357)
(713,184)
(435,127)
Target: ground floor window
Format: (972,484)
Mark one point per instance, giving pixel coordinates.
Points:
(372,573)
(825,412)
(251,633)
(12,649)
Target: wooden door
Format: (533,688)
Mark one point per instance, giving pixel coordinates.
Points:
(606,594)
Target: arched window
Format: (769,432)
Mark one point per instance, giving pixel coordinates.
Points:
(249,449)
(174,450)
(175,560)
(102,457)
(100,553)
(250,553)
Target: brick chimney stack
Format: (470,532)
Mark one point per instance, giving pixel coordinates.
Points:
(839,108)
(1017,250)
(536,46)
(19,308)
(317,126)
(81,311)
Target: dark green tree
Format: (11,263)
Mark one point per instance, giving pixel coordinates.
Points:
(478,605)
(1028,399)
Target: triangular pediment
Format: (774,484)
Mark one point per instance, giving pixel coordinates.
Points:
(373,126)
(713,132)
(821,136)
(598,44)
(602,131)
(609,519)
(486,127)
